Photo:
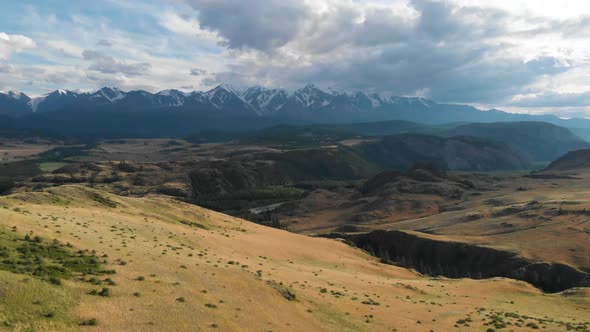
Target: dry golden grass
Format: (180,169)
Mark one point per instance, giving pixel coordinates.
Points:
(187,268)
(162,150)
(14,150)
(524,221)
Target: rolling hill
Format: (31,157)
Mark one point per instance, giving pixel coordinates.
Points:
(538,141)
(167,265)
(574,160)
(455,153)
(534,141)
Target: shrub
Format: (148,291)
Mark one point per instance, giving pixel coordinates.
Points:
(89,322)
(105,292)
(370,302)
(110,282)
(55,281)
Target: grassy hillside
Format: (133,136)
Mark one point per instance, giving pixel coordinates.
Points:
(539,141)
(306,136)
(571,161)
(180,267)
(542,217)
(455,153)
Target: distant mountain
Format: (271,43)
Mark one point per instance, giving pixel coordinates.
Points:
(583,133)
(14,103)
(303,106)
(574,160)
(539,141)
(402,152)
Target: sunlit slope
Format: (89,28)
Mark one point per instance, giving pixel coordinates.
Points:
(184,268)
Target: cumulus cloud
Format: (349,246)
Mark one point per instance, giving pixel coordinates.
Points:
(259,24)
(104,43)
(455,51)
(198,72)
(10,44)
(187,26)
(518,54)
(65,48)
(552,99)
(6,68)
(106,64)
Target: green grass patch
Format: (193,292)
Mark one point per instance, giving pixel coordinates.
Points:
(30,304)
(62,153)
(277,192)
(51,261)
(339,320)
(49,167)
(193,224)
(102,200)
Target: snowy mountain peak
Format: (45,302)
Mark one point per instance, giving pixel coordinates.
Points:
(226,97)
(308,90)
(312,96)
(111,94)
(60,92)
(227,88)
(170,92)
(255,100)
(172,97)
(17,95)
(337,92)
(265,100)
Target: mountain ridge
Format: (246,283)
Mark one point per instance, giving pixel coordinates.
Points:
(309,104)
(257,97)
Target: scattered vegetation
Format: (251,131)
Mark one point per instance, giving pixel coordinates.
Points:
(103,200)
(89,322)
(48,260)
(193,224)
(288,294)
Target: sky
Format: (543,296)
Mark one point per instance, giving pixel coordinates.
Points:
(530,56)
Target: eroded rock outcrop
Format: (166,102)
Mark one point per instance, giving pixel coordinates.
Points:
(460,260)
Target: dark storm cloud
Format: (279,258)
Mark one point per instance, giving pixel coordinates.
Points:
(455,54)
(259,24)
(106,64)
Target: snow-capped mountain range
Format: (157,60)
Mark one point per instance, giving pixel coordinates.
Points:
(224,103)
(256,100)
